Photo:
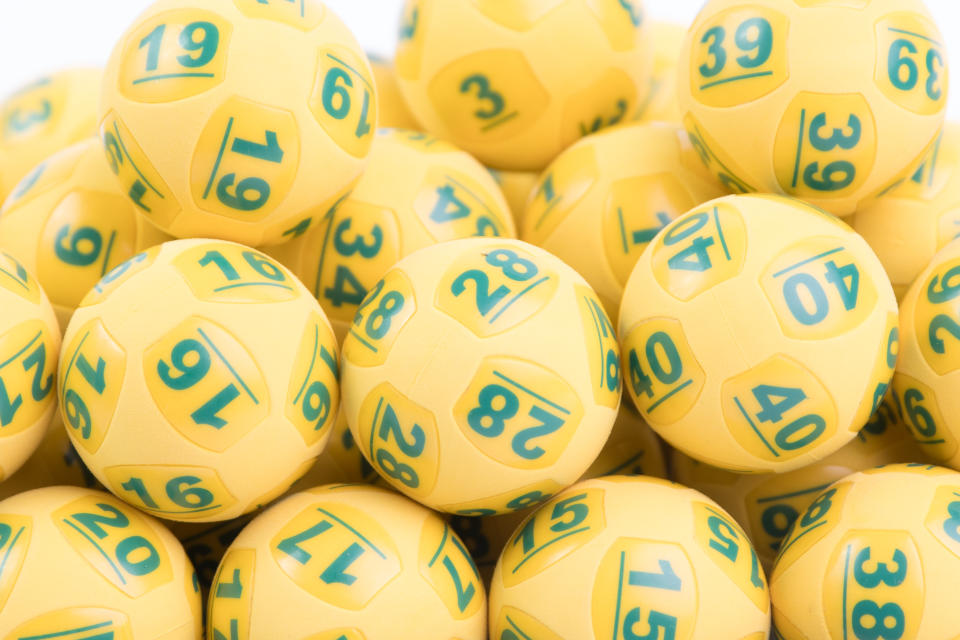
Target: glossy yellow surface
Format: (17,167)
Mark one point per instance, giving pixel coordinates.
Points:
(758,378)
(365,562)
(875,554)
(69,223)
(644,553)
(199,380)
(239,120)
(489,75)
(494,397)
(833,102)
(79,560)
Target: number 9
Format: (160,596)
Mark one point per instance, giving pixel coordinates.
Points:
(829,182)
(948,290)
(78,253)
(79,417)
(239,199)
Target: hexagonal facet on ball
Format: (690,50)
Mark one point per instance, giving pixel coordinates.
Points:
(417,191)
(619,556)
(29,348)
(366,563)
(767,505)
(758,333)
(42,118)
(237,119)
(909,225)
(602,201)
(70,224)
(516,82)
(925,382)
(877,553)
(480,376)
(80,563)
(832,102)
(199,380)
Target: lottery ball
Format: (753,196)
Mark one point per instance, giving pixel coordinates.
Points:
(758,334)
(924,383)
(625,557)
(54,463)
(517,187)
(237,119)
(602,201)
(69,224)
(829,102)
(661,104)
(340,463)
(392,106)
(417,191)
(29,347)
(876,555)
(514,83)
(80,562)
(907,227)
(451,373)
(42,118)
(767,505)
(199,380)
(367,564)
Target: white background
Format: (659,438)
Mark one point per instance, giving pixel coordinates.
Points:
(40,36)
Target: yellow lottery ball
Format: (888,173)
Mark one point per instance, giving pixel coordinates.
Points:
(648,558)
(876,555)
(29,348)
(927,370)
(392,106)
(44,117)
(661,104)
(199,380)
(831,102)
(366,563)
(82,564)
(69,224)
(602,201)
(237,119)
(455,385)
(417,191)
(907,227)
(514,83)
(767,505)
(517,187)
(758,333)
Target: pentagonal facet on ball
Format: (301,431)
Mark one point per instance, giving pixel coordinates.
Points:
(621,557)
(237,119)
(416,191)
(199,380)
(602,201)
(758,333)
(832,102)
(514,83)
(42,118)
(352,562)
(70,224)
(29,348)
(481,376)
(876,554)
(80,563)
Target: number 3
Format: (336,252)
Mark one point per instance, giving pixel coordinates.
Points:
(482,83)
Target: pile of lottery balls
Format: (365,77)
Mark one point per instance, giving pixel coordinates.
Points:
(300,344)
